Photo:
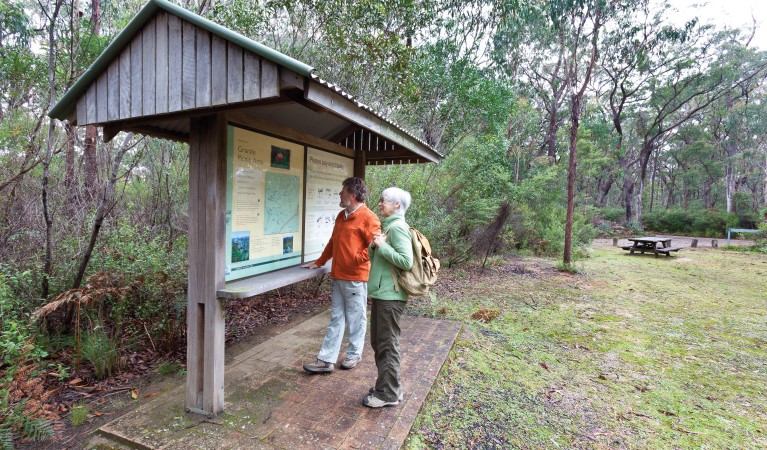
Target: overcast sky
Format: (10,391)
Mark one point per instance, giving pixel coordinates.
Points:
(726,13)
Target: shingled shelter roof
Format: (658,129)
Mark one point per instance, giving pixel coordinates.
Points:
(169,65)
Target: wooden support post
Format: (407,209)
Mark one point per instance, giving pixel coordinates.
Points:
(694,243)
(714,243)
(359,164)
(207,232)
(615,242)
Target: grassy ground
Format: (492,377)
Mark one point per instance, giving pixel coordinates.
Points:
(634,352)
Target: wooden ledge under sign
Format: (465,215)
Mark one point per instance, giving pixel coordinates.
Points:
(258,284)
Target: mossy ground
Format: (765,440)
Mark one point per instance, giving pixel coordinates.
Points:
(633,352)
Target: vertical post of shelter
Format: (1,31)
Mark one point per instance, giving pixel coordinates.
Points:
(207,233)
(359,163)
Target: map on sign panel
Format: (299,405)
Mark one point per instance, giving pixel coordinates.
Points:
(281,203)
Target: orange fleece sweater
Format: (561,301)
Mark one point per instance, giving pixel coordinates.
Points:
(348,245)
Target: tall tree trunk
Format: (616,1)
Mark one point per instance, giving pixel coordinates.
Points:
(638,200)
(551,133)
(91,134)
(96,16)
(575,115)
(730,187)
(105,205)
(628,195)
(69,170)
(765,184)
(47,263)
(652,180)
(604,190)
(671,185)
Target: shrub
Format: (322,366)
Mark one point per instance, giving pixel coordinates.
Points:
(78,414)
(101,351)
(605,229)
(692,222)
(634,227)
(612,214)
(140,281)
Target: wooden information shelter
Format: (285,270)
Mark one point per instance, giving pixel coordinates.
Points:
(175,75)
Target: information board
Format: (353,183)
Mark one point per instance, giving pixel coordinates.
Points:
(264,203)
(325,172)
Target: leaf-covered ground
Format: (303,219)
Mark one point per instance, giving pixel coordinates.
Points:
(248,323)
(633,352)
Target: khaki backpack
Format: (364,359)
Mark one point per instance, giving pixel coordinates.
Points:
(423,274)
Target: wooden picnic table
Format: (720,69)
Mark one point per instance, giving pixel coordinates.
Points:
(651,244)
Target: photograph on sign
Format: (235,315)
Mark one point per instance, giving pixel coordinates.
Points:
(264,203)
(324,174)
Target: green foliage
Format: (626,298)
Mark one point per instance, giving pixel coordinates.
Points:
(634,227)
(156,275)
(100,350)
(744,209)
(16,423)
(612,213)
(78,414)
(569,267)
(172,367)
(17,340)
(699,222)
(20,353)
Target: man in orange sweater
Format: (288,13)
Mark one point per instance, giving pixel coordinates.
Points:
(356,226)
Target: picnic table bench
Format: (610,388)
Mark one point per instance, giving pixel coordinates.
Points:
(740,230)
(654,245)
(668,250)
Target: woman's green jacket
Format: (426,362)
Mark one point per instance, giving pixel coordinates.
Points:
(397,252)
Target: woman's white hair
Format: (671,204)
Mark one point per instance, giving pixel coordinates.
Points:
(395,194)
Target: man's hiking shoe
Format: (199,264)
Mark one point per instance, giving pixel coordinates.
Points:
(371,401)
(319,366)
(349,364)
(372,391)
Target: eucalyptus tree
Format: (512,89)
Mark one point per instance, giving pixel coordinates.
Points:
(698,80)
(571,29)
(627,66)
(22,76)
(736,117)
(693,166)
(528,49)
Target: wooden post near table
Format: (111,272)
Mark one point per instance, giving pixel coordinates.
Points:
(694,243)
(714,243)
(207,236)
(615,242)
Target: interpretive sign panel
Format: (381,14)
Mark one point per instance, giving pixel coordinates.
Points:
(264,203)
(324,174)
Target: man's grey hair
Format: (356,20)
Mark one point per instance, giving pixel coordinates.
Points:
(395,194)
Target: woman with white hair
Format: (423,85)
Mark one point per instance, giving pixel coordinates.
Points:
(389,251)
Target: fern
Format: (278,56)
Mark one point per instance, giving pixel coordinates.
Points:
(16,422)
(6,437)
(37,429)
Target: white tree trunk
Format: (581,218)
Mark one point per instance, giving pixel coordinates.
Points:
(638,200)
(730,180)
(765,182)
